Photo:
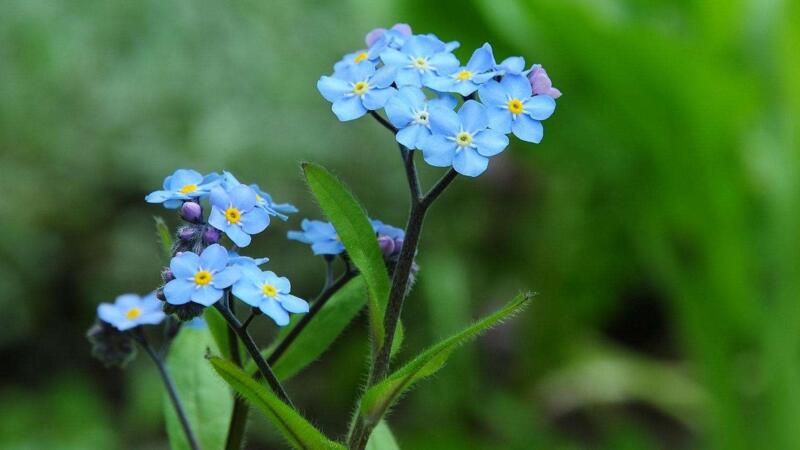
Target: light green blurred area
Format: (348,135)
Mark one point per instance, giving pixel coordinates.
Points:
(658,220)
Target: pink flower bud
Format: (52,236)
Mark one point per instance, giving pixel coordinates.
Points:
(540,82)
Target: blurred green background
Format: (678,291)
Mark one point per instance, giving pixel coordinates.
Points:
(658,220)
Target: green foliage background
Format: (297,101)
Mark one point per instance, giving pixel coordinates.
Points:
(658,220)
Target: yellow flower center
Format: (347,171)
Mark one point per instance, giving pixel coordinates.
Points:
(464,75)
(463,139)
(202,278)
(360,88)
(360,57)
(133,313)
(233,215)
(515,106)
(188,189)
(269,290)
(420,63)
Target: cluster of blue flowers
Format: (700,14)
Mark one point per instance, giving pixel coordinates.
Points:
(202,269)
(413,78)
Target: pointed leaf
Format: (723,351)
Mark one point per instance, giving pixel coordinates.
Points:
(379,398)
(352,224)
(164,237)
(382,438)
(206,399)
(297,430)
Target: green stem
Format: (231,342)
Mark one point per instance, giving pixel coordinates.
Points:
(238,422)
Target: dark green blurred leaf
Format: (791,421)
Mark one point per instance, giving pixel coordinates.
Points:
(295,429)
(205,397)
(379,398)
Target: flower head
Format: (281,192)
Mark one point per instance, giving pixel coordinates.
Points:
(466,80)
(200,278)
(320,235)
(396,34)
(236,259)
(420,60)
(234,212)
(130,310)
(269,293)
(263,199)
(356,89)
(462,140)
(512,107)
(540,82)
(183,185)
(409,112)
(514,65)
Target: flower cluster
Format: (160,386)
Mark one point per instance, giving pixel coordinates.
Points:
(416,79)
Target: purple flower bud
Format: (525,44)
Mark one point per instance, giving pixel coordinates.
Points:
(398,244)
(386,244)
(211,235)
(540,82)
(192,212)
(167,275)
(186,233)
(373,36)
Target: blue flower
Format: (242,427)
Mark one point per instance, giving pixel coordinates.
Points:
(462,140)
(263,199)
(512,107)
(200,279)
(235,213)
(368,57)
(357,89)
(466,80)
(235,259)
(409,112)
(320,235)
(269,293)
(513,65)
(382,229)
(419,60)
(130,310)
(182,185)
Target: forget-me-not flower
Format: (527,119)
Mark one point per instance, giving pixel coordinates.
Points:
(357,89)
(419,60)
(263,199)
(130,310)
(235,213)
(462,140)
(269,293)
(235,259)
(466,80)
(514,65)
(320,235)
(409,112)
(184,184)
(200,278)
(512,107)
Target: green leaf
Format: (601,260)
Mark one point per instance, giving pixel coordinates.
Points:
(297,430)
(320,333)
(219,331)
(205,397)
(382,438)
(379,398)
(352,224)
(164,237)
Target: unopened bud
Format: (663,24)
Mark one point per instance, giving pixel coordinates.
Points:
(192,212)
(186,233)
(211,235)
(386,244)
(167,275)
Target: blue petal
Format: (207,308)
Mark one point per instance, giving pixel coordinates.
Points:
(527,129)
(348,108)
(499,119)
(109,314)
(217,220)
(158,196)
(490,143)
(239,237)
(384,77)
(282,284)
(255,221)
(246,291)
(513,64)
(481,78)
(540,107)
(422,46)
(438,150)
(412,136)
(397,109)
(482,59)
(440,83)
(375,98)
(172,204)
(394,57)
(444,121)
(444,63)
(184,265)
(330,247)
(468,162)
(151,318)
(293,304)
(298,236)
(408,77)
(243,197)
(464,88)
(517,86)
(317,229)
(182,177)
(178,291)
(127,301)
(214,258)
(219,198)
(226,277)
(473,116)
(273,309)
(206,295)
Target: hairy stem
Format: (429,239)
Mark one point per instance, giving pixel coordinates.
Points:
(238,423)
(255,353)
(170,386)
